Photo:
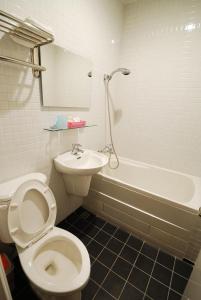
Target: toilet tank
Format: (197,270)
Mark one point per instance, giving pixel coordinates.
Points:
(7,190)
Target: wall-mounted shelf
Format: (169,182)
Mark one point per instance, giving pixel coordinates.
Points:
(26,33)
(54,129)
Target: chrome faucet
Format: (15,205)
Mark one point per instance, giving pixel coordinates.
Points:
(76,149)
(107,149)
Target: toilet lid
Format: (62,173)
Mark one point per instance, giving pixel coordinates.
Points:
(32,212)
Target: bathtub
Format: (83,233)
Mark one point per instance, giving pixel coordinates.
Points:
(158,205)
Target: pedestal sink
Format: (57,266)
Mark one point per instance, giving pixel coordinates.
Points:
(77,169)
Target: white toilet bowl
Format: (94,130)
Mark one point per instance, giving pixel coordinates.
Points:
(57,265)
(55,261)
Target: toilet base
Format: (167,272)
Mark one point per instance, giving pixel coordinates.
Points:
(44,296)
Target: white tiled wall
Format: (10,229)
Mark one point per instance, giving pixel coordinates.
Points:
(84,27)
(158,108)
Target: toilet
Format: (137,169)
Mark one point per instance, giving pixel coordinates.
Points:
(55,261)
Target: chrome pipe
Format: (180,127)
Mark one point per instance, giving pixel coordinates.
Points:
(20,34)
(22,63)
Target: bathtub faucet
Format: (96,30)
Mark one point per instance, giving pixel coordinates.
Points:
(107,149)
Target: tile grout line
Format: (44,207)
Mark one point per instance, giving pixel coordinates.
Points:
(97,259)
(129,275)
(117,256)
(150,275)
(104,246)
(99,288)
(159,249)
(171,278)
(169,269)
(139,252)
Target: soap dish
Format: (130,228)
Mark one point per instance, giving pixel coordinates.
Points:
(73,124)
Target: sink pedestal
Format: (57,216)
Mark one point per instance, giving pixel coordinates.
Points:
(77,185)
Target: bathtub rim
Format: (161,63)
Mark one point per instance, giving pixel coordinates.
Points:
(193,205)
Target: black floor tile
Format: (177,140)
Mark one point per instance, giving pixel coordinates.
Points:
(178,283)
(103,295)
(79,211)
(64,225)
(20,279)
(144,263)
(115,245)
(147,298)
(165,259)
(157,290)
(85,239)
(81,224)
(129,254)
(121,235)
(74,231)
(139,279)
(72,218)
(149,251)
(98,272)
(122,282)
(107,258)
(102,237)
(91,230)
(87,215)
(89,291)
(113,284)
(94,248)
(130,292)
(134,242)
(188,261)
(183,268)
(109,228)
(122,268)
(27,293)
(98,222)
(174,296)
(162,274)
(92,259)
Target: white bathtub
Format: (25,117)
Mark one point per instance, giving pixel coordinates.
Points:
(157,204)
(179,189)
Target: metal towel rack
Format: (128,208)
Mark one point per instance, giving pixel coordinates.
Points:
(25,32)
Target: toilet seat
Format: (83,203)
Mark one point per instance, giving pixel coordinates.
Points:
(32,212)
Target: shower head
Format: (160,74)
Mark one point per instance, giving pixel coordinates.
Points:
(124,71)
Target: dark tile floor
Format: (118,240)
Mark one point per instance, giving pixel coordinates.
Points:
(122,266)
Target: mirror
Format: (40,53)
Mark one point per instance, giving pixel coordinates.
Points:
(67,81)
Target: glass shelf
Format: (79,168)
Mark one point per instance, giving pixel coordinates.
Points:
(55,129)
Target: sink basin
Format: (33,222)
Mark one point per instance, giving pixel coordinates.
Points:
(87,163)
(78,169)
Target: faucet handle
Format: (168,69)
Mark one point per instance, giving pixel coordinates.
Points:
(76,145)
(76,148)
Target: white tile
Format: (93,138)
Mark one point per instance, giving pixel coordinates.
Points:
(24,146)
